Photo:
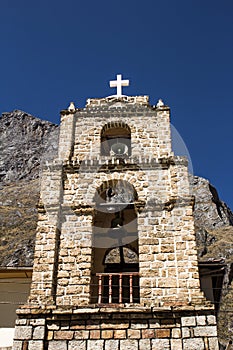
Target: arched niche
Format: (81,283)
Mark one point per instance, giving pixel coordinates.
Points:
(115,233)
(115,191)
(116,140)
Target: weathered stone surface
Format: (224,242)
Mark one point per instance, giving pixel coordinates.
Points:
(213,344)
(129,344)
(111,344)
(95,344)
(134,334)
(108,334)
(162,333)
(148,333)
(23,332)
(39,332)
(188,321)
(119,334)
(144,344)
(201,320)
(208,331)
(176,344)
(160,344)
(17,345)
(63,334)
(94,334)
(77,345)
(193,344)
(35,345)
(57,345)
(176,333)
(211,320)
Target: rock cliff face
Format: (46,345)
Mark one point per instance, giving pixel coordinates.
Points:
(210,214)
(26,142)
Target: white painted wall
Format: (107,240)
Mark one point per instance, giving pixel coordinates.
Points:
(13,293)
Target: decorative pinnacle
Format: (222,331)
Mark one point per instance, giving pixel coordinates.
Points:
(71,107)
(160,103)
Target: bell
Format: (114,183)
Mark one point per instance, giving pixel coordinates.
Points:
(119,148)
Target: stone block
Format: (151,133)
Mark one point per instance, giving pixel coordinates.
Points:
(67,335)
(201,320)
(188,321)
(57,345)
(50,335)
(21,322)
(36,345)
(95,334)
(128,344)
(77,325)
(111,344)
(162,333)
(119,334)
(140,325)
(38,322)
(107,334)
(23,332)
(149,333)
(77,345)
(17,345)
(211,320)
(160,344)
(176,344)
(39,332)
(95,344)
(176,333)
(193,344)
(208,331)
(81,334)
(213,344)
(92,324)
(144,344)
(154,324)
(115,325)
(134,334)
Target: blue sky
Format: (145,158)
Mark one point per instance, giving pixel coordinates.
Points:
(54,52)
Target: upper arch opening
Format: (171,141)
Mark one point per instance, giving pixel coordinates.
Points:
(116,140)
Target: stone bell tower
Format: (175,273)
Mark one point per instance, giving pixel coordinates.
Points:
(115,263)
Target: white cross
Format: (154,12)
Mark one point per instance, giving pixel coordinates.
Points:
(118,84)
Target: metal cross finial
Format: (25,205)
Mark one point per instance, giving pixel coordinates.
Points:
(118,84)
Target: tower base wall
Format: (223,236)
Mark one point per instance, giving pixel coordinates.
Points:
(115,329)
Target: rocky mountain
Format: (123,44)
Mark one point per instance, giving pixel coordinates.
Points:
(26,142)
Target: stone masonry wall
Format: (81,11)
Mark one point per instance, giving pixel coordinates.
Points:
(167,253)
(117,330)
(47,238)
(150,130)
(172,313)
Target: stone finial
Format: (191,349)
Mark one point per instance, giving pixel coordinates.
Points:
(160,103)
(71,107)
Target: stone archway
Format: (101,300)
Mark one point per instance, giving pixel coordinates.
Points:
(116,139)
(115,233)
